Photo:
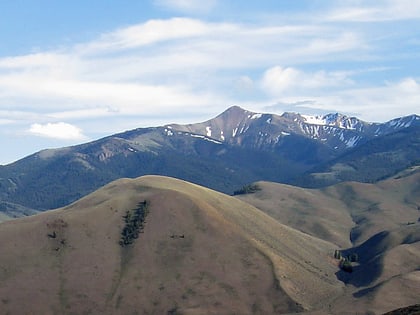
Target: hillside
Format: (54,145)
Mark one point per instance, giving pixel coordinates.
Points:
(200,252)
(380,223)
(409,310)
(372,161)
(223,153)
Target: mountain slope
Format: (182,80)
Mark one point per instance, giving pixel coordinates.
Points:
(337,132)
(309,211)
(200,252)
(379,223)
(387,274)
(223,153)
(10,211)
(346,213)
(372,161)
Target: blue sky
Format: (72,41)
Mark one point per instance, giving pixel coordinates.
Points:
(75,71)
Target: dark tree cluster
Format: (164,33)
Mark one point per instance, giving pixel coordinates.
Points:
(346,266)
(134,223)
(346,261)
(247,189)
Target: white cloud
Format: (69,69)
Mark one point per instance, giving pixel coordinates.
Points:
(164,65)
(123,97)
(60,130)
(375,104)
(388,101)
(151,32)
(278,81)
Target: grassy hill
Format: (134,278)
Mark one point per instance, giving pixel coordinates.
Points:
(193,250)
(378,222)
(199,252)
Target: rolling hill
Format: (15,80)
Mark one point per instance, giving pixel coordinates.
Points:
(199,252)
(380,223)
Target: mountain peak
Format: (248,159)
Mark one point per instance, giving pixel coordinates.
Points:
(233,111)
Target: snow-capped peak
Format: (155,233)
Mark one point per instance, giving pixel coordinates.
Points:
(335,120)
(315,120)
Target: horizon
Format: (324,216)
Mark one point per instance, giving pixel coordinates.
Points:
(74,72)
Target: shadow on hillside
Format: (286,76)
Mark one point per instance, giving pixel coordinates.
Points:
(364,274)
(370,264)
(363,292)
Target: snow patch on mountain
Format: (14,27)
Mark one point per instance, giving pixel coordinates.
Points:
(314,120)
(352,141)
(336,120)
(169,132)
(256,116)
(244,129)
(205,138)
(234,131)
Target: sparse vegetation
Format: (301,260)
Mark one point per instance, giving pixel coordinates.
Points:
(211,250)
(346,265)
(247,189)
(134,223)
(337,254)
(346,261)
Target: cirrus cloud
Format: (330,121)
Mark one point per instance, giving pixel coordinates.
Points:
(380,11)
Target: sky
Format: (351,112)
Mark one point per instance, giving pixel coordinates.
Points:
(76,71)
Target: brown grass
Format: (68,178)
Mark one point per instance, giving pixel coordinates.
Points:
(378,221)
(233,259)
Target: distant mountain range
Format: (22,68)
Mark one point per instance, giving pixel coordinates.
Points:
(224,153)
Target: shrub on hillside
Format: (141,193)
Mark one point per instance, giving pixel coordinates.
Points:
(134,223)
(346,261)
(247,189)
(346,266)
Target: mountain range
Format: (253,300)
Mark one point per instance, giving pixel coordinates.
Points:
(224,153)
